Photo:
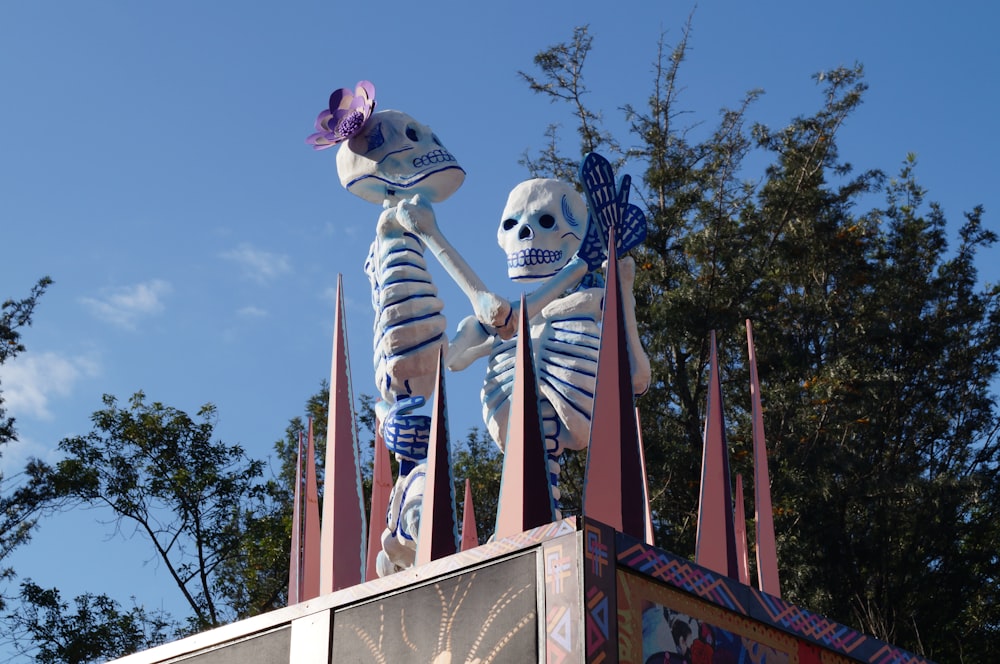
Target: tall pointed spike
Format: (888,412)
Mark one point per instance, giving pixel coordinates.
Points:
(470,536)
(295,554)
(525,500)
(311,529)
(438,535)
(742,556)
(715,546)
(342,550)
(381,491)
(613,485)
(767,550)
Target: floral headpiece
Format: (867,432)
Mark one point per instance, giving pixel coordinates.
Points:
(346,116)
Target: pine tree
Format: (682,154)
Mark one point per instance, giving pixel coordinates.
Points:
(877,349)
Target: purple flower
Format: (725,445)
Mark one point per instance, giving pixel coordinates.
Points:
(346,116)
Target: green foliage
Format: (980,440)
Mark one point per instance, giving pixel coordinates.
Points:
(20,503)
(479,460)
(196,500)
(256,580)
(95,630)
(14,315)
(877,349)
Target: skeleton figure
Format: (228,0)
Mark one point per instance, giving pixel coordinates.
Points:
(400,164)
(541,230)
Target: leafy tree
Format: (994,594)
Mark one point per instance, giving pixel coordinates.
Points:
(14,315)
(476,458)
(877,349)
(479,460)
(96,629)
(198,501)
(20,501)
(256,580)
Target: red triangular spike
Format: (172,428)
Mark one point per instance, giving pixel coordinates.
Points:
(295,557)
(715,546)
(742,556)
(381,491)
(438,532)
(311,530)
(525,500)
(767,550)
(470,537)
(613,485)
(342,551)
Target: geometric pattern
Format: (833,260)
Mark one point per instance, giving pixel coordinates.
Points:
(598,620)
(599,592)
(563,617)
(682,574)
(559,628)
(752,603)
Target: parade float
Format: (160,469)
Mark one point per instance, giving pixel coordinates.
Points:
(564,364)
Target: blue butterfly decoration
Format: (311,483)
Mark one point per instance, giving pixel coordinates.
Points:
(608,206)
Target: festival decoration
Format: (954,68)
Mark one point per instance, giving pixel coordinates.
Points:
(390,159)
(541,230)
(346,116)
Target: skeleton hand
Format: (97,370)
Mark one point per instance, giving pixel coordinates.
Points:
(417,216)
(472,342)
(496,313)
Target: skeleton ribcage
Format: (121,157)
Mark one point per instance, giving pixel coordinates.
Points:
(409,328)
(565,353)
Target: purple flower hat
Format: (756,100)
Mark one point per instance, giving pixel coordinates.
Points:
(346,116)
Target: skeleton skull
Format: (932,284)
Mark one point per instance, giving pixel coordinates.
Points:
(541,228)
(396,155)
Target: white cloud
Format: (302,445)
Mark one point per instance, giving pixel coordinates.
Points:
(251,311)
(30,382)
(125,305)
(261,266)
(339,229)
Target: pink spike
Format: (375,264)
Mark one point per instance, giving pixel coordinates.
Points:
(767,550)
(741,534)
(470,538)
(613,485)
(311,532)
(342,549)
(645,481)
(295,557)
(381,491)
(438,537)
(525,500)
(715,546)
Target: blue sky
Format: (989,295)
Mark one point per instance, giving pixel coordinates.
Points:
(153,163)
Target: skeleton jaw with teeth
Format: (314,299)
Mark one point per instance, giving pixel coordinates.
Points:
(542,227)
(396,157)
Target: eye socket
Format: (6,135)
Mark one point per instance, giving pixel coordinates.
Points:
(547,221)
(509,224)
(411,134)
(436,140)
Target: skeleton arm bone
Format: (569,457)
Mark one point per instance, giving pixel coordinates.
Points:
(417,217)
(568,277)
(638,359)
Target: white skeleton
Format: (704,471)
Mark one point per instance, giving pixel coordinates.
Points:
(540,232)
(400,164)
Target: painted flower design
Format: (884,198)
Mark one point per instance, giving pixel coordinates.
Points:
(346,116)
